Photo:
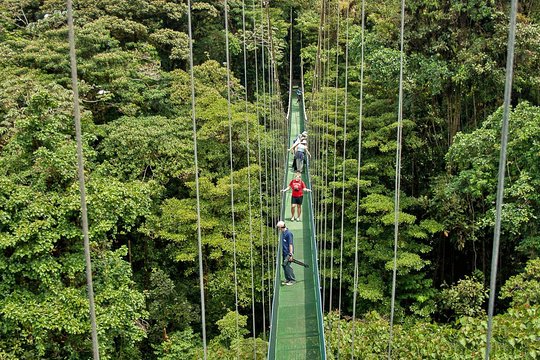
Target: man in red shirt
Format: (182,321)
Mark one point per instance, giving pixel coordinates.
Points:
(298,187)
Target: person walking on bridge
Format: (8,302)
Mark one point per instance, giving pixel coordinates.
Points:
(287,252)
(298,187)
(298,95)
(299,138)
(299,155)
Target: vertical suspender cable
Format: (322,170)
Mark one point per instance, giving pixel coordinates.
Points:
(502,169)
(278,110)
(273,176)
(82,187)
(303,104)
(316,86)
(332,230)
(226,5)
(343,165)
(326,141)
(264,270)
(398,179)
(290,66)
(197,191)
(360,120)
(271,125)
(266,164)
(249,180)
(321,99)
(274,118)
(315,90)
(314,113)
(260,177)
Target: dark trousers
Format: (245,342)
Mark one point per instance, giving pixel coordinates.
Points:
(287,269)
(299,161)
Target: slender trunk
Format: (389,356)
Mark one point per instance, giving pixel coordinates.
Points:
(129,251)
(453,116)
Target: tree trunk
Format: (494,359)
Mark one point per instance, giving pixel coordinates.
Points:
(453,116)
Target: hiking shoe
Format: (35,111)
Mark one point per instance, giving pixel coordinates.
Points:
(298,219)
(292,219)
(290,282)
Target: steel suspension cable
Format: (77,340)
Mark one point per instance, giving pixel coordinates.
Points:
(278,128)
(323,82)
(290,65)
(259,163)
(82,187)
(315,90)
(335,159)
(273,169)
(271,125)
(267,179)
(343,166)
(276,113)
(229,114)
(326,145)
(248,154)
(360,120)
(276,116)
(502,170)
(314,130)
(303,103)
(197,188)
(398,179)
(266,165)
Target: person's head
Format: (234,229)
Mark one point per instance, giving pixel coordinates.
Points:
(281,225)
(304,134)
(303,142)
(298,175)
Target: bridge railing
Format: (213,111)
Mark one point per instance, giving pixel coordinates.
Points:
(314,252)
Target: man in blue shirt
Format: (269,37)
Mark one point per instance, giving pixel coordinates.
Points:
(287,252)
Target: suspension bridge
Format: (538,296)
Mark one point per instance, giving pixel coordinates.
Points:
(296,330)
(296,321)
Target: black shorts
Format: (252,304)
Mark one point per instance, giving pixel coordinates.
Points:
(297,200)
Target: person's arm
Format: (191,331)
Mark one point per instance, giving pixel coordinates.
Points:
(291,246)
(305,188)
(286,189)
(294,146)
(307,151)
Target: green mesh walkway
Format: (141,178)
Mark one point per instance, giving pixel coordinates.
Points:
(296,327)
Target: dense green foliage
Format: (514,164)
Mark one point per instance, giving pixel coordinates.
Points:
(453,88)
(135,97)
(139,168)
